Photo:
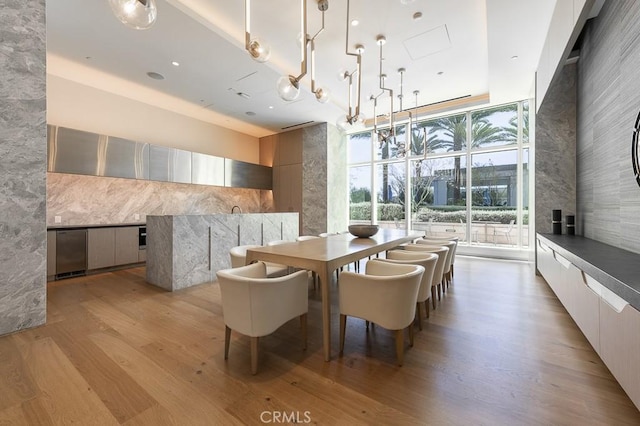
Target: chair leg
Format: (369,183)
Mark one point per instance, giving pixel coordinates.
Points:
(426,306)
(433,296)
(303,328)
(254,355)
(439,291)
(314,276)
(400,346)
(343,327)
(419,314)
(366,324)
(227,339)
(411,335)
(452,271)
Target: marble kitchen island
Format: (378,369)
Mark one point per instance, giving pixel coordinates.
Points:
(186,250)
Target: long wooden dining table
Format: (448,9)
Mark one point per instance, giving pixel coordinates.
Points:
(325,255)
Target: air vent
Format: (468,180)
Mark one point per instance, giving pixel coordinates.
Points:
(296,125)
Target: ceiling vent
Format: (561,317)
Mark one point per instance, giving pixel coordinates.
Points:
(297,125)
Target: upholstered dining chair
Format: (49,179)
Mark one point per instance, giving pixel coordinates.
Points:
(438,273)
(430,241)
(451,245)
(428,261)
(256,306)
(238,256)
(385,294)
(439,240)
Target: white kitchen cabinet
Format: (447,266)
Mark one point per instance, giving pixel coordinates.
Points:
(586,307)
(620,343)
(610,324)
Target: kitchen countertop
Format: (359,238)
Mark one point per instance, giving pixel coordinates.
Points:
(613,267)
(109,225)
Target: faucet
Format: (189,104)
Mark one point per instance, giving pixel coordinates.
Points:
(233,209)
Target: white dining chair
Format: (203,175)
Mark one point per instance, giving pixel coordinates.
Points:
(428,261)
(438,273)
(433,241)
(451,245)
(385,294)
(238,256)
(256,306)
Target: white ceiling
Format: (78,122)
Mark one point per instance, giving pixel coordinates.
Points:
(470,42)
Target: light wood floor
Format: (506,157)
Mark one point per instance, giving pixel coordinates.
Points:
(498,350)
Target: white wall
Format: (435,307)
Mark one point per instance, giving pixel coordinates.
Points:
(74,105)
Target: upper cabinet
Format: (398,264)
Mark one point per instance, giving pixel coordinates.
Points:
(78,152)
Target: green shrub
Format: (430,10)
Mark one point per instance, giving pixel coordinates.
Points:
(386,212)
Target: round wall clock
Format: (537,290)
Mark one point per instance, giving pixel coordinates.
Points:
(635,154)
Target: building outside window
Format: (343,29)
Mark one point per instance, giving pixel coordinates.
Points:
(463,174)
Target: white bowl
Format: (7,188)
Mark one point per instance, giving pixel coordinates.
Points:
(363,231)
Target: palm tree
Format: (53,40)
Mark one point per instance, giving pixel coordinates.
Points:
(452,136)
(511,131)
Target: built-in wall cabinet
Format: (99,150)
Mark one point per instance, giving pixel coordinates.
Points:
(610,323)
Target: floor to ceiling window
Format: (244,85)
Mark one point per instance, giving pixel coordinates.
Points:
(464,175)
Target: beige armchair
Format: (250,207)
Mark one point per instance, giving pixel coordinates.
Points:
(439,240)
(438,273)
(385,294)
(238,256)
(256,306)
(428,261)
(451,245)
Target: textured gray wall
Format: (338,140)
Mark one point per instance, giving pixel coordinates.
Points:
(337,180)
(23,134)
(555,151)
(608,198)
(324,180)
(314,179)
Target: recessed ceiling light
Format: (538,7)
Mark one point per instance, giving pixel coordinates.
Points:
(243,95)
(270,106)
(440,72)
(155,75)
(417,16)
(175,63)
(355,23)
(250,113)
(514,57)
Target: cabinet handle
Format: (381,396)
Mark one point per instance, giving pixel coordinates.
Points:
(614,301)
(542,246)
(592,284)
(561,260)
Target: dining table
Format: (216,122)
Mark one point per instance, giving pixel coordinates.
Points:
(325,255)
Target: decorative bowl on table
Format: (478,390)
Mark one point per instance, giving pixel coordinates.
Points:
(363,231)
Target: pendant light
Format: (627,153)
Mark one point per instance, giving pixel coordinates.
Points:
(354,117)
(288,86)
(258,50)
(137,14)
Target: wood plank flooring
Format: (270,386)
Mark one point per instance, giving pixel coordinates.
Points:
(499,350)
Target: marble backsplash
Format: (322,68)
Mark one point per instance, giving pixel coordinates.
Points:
(93,200)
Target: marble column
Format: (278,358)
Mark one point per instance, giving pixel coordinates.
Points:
(23,133)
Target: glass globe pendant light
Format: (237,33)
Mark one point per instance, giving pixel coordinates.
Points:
(137,14)
(288,87)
